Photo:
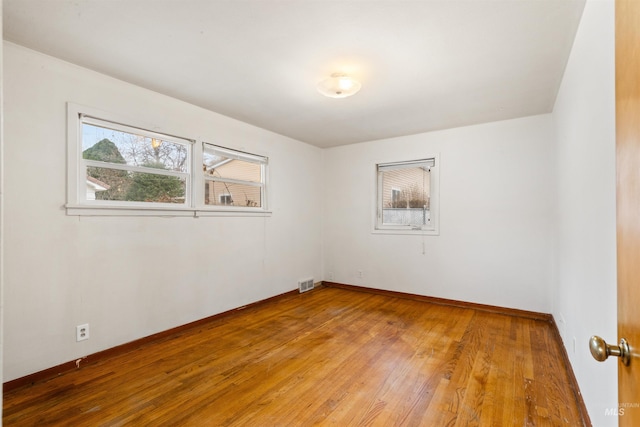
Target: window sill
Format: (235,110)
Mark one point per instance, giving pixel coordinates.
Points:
(406,231)
(84,210)
(231,212)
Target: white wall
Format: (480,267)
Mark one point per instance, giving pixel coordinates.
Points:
(496,216)
(585,273)
(129,277)
(1,215)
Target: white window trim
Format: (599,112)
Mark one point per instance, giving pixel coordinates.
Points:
(194,199)
(247,157)
(434,201)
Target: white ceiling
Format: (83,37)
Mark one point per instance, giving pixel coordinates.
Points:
(424,65)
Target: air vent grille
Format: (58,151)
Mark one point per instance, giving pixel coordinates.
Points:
(305,285)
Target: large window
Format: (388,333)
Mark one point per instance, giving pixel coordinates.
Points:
(117,168)
(407,194)
(130,166)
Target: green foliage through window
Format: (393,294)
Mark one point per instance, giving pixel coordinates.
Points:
(145,187)
(124,166)
(118,169)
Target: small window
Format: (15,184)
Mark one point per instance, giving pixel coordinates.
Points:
(233,178)
(407,196)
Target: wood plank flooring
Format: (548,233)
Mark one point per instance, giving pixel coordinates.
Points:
(326,357)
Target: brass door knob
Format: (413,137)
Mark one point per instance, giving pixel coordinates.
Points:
(600,350)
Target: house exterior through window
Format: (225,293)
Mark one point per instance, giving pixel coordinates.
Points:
(117,168)
(233,178)
(405,193)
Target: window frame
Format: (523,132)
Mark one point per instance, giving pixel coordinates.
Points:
(230,153)
(83,164)
(433,228)
(78,204)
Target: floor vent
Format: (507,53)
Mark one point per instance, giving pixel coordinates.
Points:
(305,285)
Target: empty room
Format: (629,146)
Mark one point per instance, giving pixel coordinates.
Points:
(306,212)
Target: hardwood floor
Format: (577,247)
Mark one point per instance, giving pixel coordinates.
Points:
(326,357)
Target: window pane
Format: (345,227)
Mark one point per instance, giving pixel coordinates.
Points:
(405,195)
(113,184)
(231,194)
(219,166)
(114,146)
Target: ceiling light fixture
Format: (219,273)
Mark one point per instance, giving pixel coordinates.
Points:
(339,86)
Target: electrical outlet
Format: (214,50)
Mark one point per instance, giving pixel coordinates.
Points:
(82,332)
(360,274)
(330,275)
(574,345)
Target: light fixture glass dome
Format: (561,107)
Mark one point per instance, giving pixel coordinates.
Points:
(339,86)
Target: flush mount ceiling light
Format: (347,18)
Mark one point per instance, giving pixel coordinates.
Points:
(339,86)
